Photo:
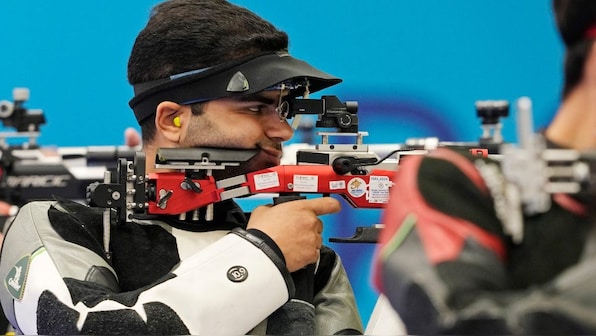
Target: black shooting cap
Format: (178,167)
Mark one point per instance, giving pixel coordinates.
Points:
(576,20)
(239,77)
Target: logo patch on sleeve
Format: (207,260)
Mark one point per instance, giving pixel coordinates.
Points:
(237,274)
(15,280)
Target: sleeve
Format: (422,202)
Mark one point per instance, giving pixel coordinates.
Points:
(336,312)
(52,286)
(323,304)
(446,266)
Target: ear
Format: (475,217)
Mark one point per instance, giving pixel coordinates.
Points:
(166,126)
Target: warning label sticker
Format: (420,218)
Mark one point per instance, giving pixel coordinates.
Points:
(378,189)
(266,180)
(306,183)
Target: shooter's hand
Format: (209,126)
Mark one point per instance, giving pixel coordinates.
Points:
(6,212)
(132,138)
(4,208)
(295,227)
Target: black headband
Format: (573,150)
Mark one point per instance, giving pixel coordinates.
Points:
(235,78)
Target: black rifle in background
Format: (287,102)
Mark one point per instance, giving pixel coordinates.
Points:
(31,172)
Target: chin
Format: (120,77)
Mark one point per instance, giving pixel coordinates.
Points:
(262,165)
(262,161)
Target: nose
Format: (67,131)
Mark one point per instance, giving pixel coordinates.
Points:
(276,128)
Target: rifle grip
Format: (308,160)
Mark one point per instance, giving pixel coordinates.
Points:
(286,198)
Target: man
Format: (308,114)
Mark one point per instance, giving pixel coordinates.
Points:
(449,264)
(205,74)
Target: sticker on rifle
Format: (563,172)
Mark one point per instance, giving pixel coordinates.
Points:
(337,185)
(266,180)
(357,187)
(306,183)
(378,189)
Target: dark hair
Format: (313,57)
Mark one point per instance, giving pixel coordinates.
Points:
(574,18)
(184,35)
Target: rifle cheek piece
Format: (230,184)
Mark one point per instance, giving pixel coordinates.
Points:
(236,78)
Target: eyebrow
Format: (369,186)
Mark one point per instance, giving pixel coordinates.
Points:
(257,98)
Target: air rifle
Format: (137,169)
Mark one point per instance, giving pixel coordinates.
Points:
(533,173)
(350,170)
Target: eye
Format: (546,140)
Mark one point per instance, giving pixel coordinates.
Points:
(257,109)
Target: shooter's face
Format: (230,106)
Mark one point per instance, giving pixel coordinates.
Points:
(244,122)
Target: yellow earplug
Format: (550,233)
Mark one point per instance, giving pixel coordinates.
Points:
(176,121)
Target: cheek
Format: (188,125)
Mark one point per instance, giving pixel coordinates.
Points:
(230,132)
(200,132)
(244,129)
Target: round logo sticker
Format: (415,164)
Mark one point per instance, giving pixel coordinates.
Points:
(237,273)
(356,187)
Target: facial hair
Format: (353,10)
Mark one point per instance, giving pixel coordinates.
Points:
(203,133)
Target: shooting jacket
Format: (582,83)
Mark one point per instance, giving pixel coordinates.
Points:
(164,276)
(447,266)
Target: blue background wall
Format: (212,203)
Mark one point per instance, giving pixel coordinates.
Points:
(415,67)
